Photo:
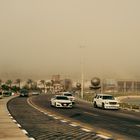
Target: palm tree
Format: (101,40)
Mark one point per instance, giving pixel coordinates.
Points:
(43,83)
(0,82)
(48,84)
(9,83)
(18,81)
(29,82)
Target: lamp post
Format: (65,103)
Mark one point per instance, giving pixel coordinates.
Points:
(82,71)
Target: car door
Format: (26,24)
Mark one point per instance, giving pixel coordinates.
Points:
(100,101)
(97,100)
(53,101)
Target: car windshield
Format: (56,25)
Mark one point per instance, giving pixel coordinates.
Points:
(108,97)
(24,91)
(61,98)
(67,94)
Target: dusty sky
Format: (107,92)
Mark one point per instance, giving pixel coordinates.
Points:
(39,38)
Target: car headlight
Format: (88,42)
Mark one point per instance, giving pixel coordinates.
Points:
(106,103)
(58,102)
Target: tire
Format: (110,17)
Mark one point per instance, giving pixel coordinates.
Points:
(51,104)
(103,106)
(95,105)
(55,105)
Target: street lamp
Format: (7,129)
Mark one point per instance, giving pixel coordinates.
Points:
(82,72)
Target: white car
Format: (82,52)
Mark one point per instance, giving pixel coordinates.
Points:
(35,93)
(69,95)
(105,101)
(61,101)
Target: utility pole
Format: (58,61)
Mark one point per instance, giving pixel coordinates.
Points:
(82,72)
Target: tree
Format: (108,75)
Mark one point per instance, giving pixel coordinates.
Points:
(43,83)
(9,83)
(5,87)
(48,84)
(18,81)
(0,82)
(29,82)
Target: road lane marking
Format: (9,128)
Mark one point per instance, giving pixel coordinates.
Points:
(14,121)
(19,125)
(31,139)
(72,124)
(50,115)
(9,114)
(56,118)
(86,130)
(138,125)
(24,131)
(63,120)
(103,136)
(91,114)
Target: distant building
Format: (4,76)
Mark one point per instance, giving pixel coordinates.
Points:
(109,86)
(56,78)
(67,84)
(128,86)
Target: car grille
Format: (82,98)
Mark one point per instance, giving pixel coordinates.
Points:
(112,103)
(65,104)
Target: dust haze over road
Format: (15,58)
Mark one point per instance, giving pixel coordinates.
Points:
(41,38)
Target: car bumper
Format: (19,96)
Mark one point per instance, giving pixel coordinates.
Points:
(111,106)
(63,105)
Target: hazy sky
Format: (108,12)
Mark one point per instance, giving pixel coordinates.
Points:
(43,37)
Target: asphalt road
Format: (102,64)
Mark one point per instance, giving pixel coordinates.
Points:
(123,124)
(43,126)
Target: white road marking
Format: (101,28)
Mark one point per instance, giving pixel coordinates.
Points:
(138,125)
(24,131)
(31,139)
(86,130)
(72,124)
(63,121)
(56,118)
(19,125)
(50,115)
(11,117)
(103,136)
(14,121)
(9,114)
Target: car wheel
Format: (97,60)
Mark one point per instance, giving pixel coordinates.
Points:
(95,105)
(55,105)
(51,104)
(103,106)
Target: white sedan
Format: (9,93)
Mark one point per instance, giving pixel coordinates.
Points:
(69,95)
(61,101)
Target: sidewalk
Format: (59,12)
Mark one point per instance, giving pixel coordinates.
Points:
(8,129)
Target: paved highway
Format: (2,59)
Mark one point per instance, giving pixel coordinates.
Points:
(40,125)
(120,124)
